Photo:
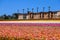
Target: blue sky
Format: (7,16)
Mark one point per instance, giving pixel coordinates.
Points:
(11,6)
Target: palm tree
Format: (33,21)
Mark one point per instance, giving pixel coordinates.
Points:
(23,10)
(32,9)
(37,9)
(18,11)
(49,8)
(49,12)
(27,9)
(43,9)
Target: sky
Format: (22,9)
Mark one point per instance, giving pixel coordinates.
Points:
(11,6)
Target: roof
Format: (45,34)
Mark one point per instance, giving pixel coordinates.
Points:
(34,13)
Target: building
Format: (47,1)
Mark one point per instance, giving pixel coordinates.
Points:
(58,14)
(40,15)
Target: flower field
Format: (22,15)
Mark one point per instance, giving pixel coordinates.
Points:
(29,31)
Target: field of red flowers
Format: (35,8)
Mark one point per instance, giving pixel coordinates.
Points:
(29,31)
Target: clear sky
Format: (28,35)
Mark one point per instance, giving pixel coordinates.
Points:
(10,6)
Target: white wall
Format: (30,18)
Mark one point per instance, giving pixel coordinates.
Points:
(27,17)
(20,17)
(58,14)
(37,16)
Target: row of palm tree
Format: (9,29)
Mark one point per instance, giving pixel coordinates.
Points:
(37,9)
(15,15)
